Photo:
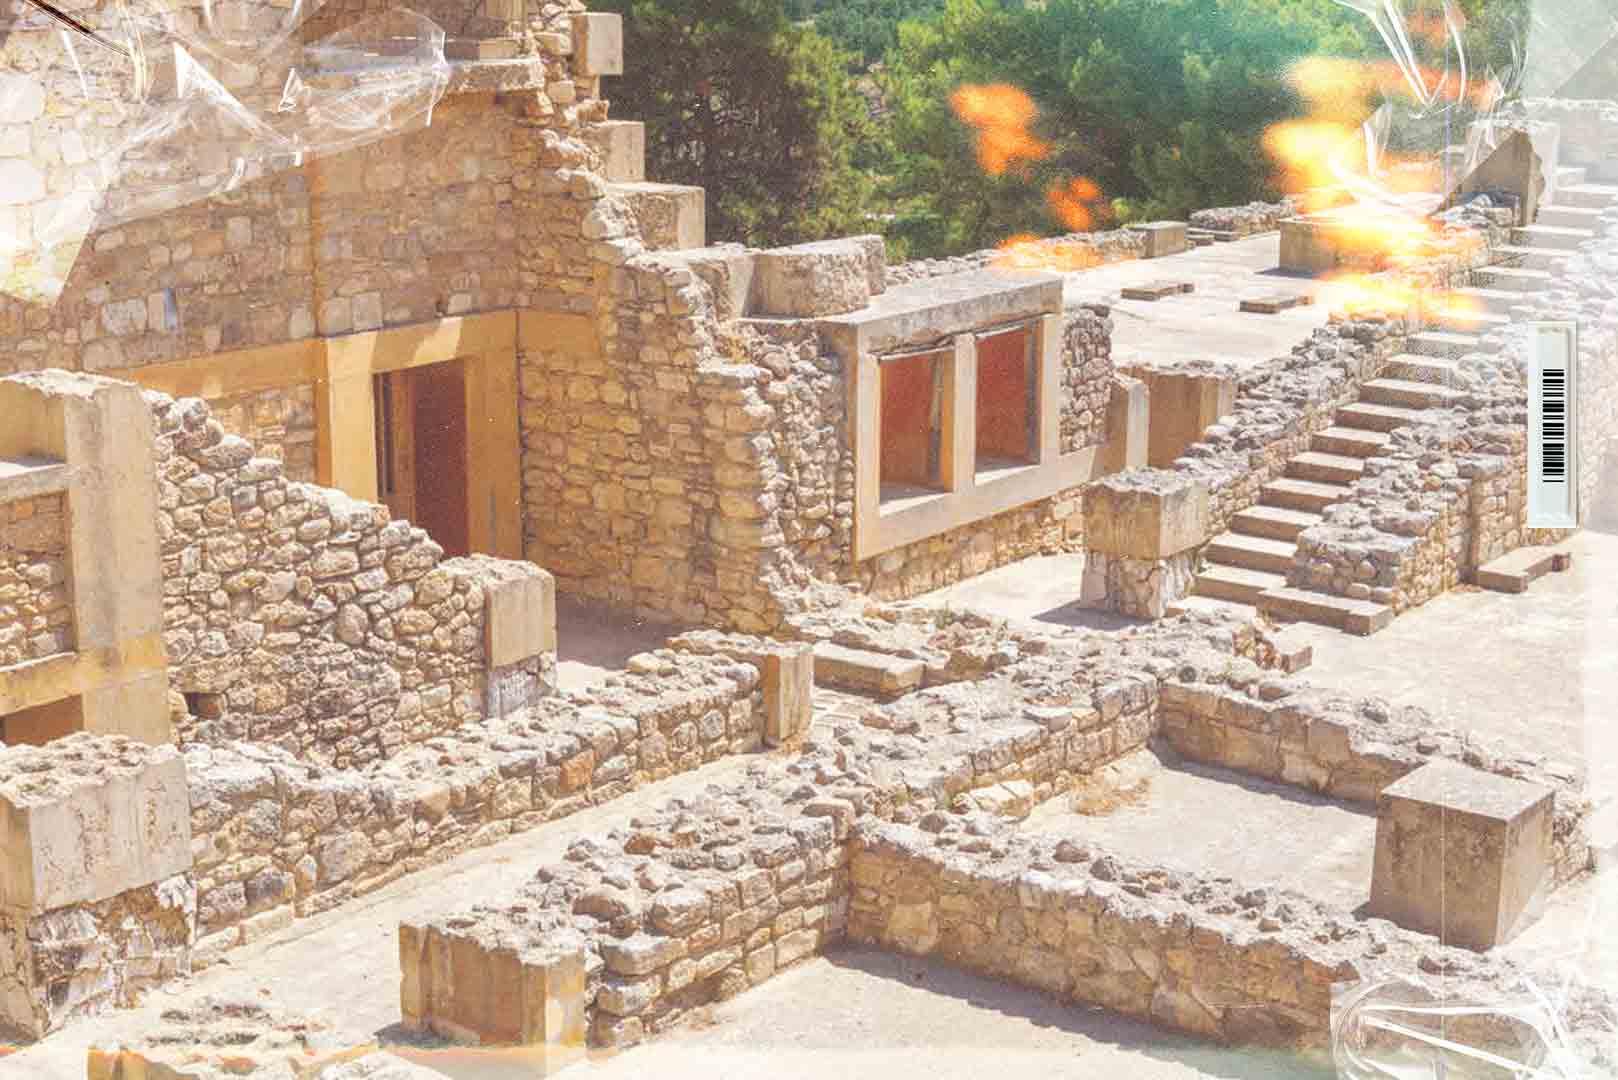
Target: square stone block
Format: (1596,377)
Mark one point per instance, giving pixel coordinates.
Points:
(519,617)
(1462,854)
(1162,237)
(1145,514)
(88,817)
(622,145)
(828,277)
(598,43)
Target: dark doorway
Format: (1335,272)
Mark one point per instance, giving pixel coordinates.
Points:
(421,450)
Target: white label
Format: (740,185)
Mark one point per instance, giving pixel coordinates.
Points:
(1553,491)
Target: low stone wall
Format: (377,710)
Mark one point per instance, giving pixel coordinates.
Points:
(1075,251)
(279,423)
(1249,220)
(36,613)
(279,838)
(299,617)
(1193,953)
(1350,749)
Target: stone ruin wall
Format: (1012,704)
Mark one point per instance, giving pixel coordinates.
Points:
(279,838)
(876,832)
(36,614)
(403,231)
(699,470)
(298,617)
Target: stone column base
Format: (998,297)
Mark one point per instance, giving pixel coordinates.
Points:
(1143,588)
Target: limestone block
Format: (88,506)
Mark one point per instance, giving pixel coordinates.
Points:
(470,985)
(1183,404)
(1145,514)
(622,146)
(789,691)
(857,669)
(520,616)
(667,217)
(598,44)
(1162,237)
(1462,854)
(88,817)
(828,277)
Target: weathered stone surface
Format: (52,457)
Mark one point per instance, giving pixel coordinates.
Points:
(827,277)
(1462,854)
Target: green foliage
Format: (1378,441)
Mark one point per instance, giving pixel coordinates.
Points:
(1163,103)
(869,28)
(760,112)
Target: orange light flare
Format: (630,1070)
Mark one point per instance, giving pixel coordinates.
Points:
(1028,252)
(1078,205)
(1001,114)
(1361,295)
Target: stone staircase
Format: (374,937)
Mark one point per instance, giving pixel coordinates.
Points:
(1247,565)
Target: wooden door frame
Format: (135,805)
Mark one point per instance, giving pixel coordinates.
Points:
(486,345)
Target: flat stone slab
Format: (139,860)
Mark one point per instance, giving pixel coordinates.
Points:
(1276,303)
(1361,617)
(1515,570)
(380,1066)
(228,1039)
(857,669)
(1293,653)
(1156,290)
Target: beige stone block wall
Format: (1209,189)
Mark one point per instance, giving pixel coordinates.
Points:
(36,615)
(307,619)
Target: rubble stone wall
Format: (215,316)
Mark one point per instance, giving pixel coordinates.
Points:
(88,959)
(277,837)
(1351,749)
(314,622)
(36,612)
(701,472)
(1202,955)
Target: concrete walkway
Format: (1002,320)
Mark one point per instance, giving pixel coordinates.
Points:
(1205,324)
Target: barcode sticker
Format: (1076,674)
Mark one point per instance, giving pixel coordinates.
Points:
(1552,461)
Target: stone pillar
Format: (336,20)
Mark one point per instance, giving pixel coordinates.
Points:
(1462,854)
(789,693)
(519,632)
(102,429)
(1141,532)
(95,837)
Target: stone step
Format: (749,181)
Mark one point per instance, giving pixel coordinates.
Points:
(1529,258)
(1309,496)
(1405,393)
(1325,468)
(1570,176)
(1360,617)
(1550,236)
(1374,417)
(1273,522)
(1236,584)
(1569,217)
(1442,343)
(669,217)
(1427,369)
(1515,570)
(1463,318)
(1349,442)
(867,672)
(1492,301)
(1595,195)
(1208,605)
(1251,552)
(1521,279)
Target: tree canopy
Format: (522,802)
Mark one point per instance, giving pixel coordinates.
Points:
(759,111)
